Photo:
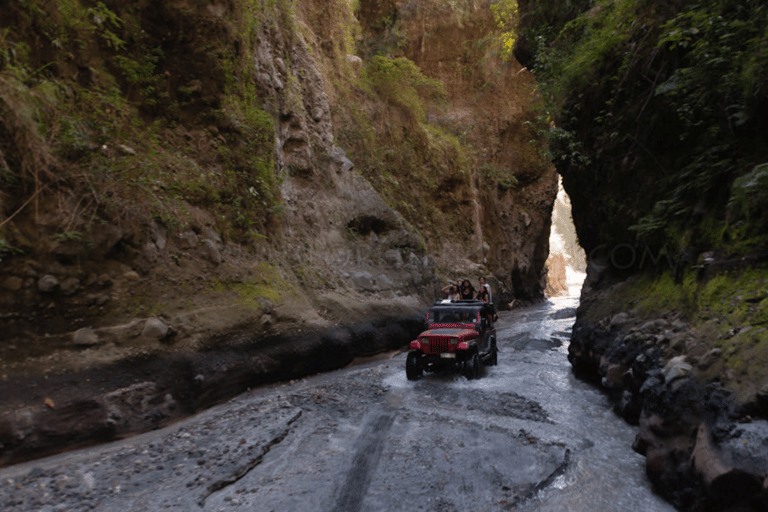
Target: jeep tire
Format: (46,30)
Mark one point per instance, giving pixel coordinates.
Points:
(412,367)
(472,367)
(493,359)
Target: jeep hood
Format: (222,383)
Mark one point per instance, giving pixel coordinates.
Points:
(448,331)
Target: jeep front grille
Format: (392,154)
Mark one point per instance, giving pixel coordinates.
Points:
(437,345)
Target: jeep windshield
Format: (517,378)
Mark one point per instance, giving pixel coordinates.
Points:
(452,316)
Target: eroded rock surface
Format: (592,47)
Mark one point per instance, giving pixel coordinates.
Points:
(703,449)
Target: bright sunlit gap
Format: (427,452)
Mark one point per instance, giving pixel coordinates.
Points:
(566,264)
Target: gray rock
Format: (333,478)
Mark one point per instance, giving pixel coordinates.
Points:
(709,358)
(212,235)
(676,368)
(736,467)
(85,337)
(133,399)
(70,286)
(363,281)
(618,321)
(340,157)
(266,305)
(383,282)
(679,325)
(654,326)
(151,252)
(414,262)
(564,313)
(393,258)
(159,235)
(211,251)
(48,284)
(155,328)
(187,240)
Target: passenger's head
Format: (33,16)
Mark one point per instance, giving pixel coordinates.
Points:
(466,283)
(482,280)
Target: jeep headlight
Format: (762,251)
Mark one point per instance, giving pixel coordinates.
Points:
(454,341)
(424,341)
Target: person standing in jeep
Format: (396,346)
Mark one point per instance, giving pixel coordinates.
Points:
(467,290)
(487,287)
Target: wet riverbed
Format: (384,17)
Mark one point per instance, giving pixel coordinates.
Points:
(527,436)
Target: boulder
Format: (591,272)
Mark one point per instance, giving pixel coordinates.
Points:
(159,235)
(618,321)
(564,313)
(211,251)
(156,329)
(709,358)
(393,258)
(728,475)
(187,240)
(210,234)
(654,326)
(48,284)
(85,337)
(676,368)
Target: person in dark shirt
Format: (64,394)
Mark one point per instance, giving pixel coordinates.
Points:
(467,290)
(483,295)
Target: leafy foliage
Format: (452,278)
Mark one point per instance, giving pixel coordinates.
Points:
(506,14)
(656,109)
(88,114)
(401,82)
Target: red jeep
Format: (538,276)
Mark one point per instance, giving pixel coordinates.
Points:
(459,336)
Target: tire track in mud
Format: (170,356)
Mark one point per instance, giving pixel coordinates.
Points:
(368,450)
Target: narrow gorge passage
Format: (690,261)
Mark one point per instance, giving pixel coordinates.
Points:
(526,436)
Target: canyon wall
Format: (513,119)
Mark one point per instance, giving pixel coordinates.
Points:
(240,192)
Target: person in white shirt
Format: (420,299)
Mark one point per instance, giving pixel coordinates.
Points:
(487,287)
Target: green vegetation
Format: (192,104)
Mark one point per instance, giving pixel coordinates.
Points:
(400,81)
(265,283)
(657,112)
(89,113)
(506,14)
(505,179)
(729,311)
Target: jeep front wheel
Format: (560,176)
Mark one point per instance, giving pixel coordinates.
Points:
(472,367)
(412,367)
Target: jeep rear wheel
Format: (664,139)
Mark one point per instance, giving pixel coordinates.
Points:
(493,360)
(412,367)
(472,367)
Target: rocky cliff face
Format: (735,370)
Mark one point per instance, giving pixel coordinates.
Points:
(336,249)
